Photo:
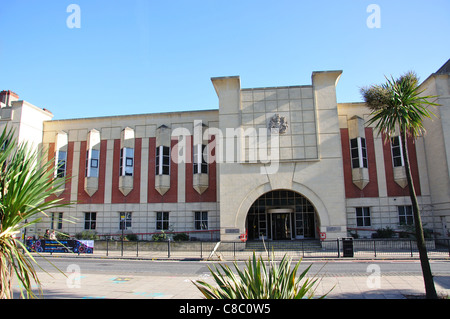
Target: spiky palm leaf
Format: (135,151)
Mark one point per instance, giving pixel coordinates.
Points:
(399,107)
(259,281)
(26,182)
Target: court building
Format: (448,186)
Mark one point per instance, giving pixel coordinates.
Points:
(280,163)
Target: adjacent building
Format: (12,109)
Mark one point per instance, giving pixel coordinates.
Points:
(279,163)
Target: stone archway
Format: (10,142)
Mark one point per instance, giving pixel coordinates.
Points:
(316,207)
(282,215)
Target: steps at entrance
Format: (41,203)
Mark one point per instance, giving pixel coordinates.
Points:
(288,245)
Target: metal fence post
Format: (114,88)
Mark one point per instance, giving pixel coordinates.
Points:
(107,244)
(137,248)
(338,252)
(303,250)
(375,247)
(201,250)
(410,246)
(448,245)
(168,248)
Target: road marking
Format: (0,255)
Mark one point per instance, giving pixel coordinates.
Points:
(119,280)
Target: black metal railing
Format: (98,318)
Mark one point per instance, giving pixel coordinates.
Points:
(338,248)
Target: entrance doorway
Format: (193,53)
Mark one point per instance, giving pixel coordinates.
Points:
(282,215)
(281,221)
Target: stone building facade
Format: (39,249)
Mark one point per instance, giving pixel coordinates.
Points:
(279,163)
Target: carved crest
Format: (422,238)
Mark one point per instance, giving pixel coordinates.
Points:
(278,124)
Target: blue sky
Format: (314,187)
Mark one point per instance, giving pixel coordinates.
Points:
(141,56)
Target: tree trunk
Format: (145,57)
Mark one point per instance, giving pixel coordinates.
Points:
(5,281)
(420,240)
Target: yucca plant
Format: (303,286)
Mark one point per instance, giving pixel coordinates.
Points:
(26,181)
(259,280)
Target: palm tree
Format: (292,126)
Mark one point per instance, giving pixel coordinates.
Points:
(398,108)
(26,182)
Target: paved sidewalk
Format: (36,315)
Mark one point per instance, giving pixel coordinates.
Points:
(120,286)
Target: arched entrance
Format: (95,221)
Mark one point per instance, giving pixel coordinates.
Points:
(282,215)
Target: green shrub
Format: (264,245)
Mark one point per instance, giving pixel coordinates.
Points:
(384,233)
(408,231)
(259,281)
(354,234)
(159,237)
(87,235)
(181,237)
(131,237)
(62,236)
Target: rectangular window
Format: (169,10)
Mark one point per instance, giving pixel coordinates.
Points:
(126,161)
(124,220)
(162,160)
(363,216)
(358,152)
(90,221)
(200,163)
(201,220)
(56,222)
(61,164)
(405,215)
(397,151)
(162,220)
(92,161)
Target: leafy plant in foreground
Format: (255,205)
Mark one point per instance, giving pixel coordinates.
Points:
(259,280)
(26,182)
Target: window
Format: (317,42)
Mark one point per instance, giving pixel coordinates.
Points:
(162,220)
(92,161)
(363,216)
(124,220)
(397,151)
(56,221)
(61,164)
(162,160)
(200,163)
(126,161)
(358,152)
(405,215)
(90,221)
(201,220)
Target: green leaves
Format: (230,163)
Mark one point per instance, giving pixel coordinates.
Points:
(26,183)
(259,280)
(398,105)
(398,108)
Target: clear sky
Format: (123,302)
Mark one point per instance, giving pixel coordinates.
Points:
(141,56)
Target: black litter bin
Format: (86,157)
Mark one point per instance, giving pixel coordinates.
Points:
(347,247)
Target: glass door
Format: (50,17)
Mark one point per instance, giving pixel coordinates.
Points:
(281,226)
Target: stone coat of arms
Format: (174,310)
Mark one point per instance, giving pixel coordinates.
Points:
(278,124)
